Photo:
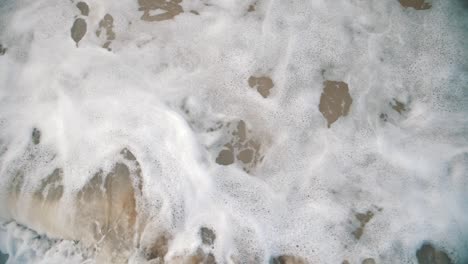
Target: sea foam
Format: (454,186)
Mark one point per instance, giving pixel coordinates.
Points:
(151,131)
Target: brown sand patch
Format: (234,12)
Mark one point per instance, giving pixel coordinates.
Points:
(368,261)
(84,8)
(398,106)
(241,148)
(2,50)
(263,84)
(251,8)
(169,9)
(363,220)
(106,24)
(427,254)
(345,262)
(416,4)
(287,259)
(335,101)
(36,136)
(78,30)
(104,211)
(107,208)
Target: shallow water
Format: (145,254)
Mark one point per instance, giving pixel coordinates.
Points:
(185,131)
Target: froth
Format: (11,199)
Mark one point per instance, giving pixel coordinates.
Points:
(175,131)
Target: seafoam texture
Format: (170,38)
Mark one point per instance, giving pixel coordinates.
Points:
(153,131)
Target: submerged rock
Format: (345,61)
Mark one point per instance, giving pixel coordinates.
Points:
(287,259)
(427,254)
(78,30)
(2,50)
(106,24)
(36,136)
(83,7)
(3,257)
(208,236)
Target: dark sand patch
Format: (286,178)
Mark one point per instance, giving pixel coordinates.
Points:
(194,12)
(78,30)
(246,155)
(51,188)
(287,259)
(416,4)
(158,249)
(363,220)
(198,257)
(207,235)
(83,7)
(3,257)
(241,148)
(17,184)
(36,136)
(335,101)
(398,106)
(263,84)
(169,9)
(427,254)
(106,24)
(226,156)
(383,117)
(2,50)
(368,261)
(345,262)
(251,8)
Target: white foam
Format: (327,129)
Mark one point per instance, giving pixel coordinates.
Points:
(301,200)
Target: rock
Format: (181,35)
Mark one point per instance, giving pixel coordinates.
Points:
(83,7)
(368,261)
(207,235)
(78,30)
(287,259)
(427,254)
(36,136)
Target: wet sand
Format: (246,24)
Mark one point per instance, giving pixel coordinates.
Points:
(263,84)
(335,101)
(416,4)
(169,8)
